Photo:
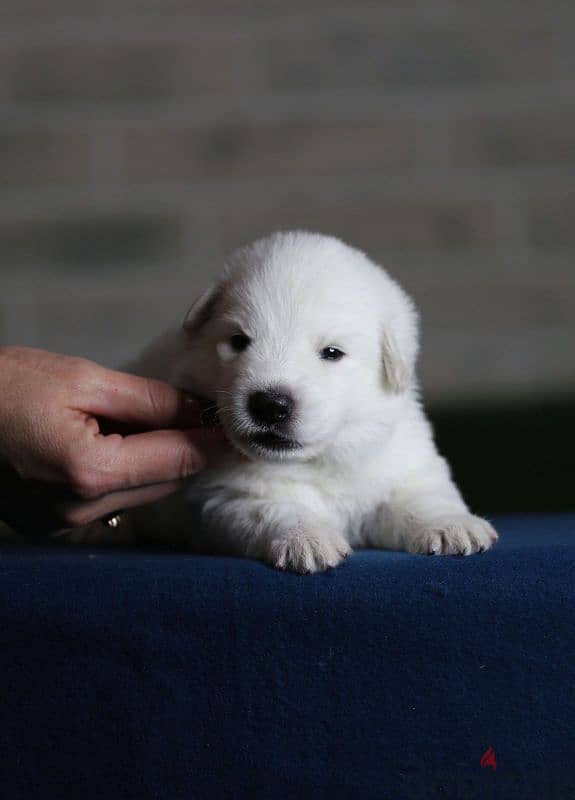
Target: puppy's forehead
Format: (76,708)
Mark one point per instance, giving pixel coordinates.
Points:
(302,276)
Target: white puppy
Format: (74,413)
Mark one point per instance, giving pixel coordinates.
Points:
(307,350)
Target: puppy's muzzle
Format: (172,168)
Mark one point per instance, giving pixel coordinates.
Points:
(270,407)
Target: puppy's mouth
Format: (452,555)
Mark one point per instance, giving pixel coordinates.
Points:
(272,441)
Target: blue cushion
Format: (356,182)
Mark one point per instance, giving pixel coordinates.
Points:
(166,676)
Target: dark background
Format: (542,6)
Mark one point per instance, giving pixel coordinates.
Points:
(139,141)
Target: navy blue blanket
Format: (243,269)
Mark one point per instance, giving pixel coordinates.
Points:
(164,676)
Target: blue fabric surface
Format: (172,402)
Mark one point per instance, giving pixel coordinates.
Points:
(167,676)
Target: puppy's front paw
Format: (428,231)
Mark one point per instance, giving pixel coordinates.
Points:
(306,550)
(458,534)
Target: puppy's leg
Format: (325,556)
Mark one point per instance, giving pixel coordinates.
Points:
(427,515)
(287,536)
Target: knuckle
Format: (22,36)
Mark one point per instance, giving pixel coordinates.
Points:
(84,482)
(89,471)
(81,371)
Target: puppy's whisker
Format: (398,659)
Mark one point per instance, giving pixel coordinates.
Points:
(210,415)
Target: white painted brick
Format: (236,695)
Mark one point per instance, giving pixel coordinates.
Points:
(108,331)
(240,149)
(461,366)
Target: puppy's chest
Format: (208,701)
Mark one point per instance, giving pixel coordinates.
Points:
(351,492)
(356,492)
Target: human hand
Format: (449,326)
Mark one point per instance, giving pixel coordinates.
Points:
(60,467)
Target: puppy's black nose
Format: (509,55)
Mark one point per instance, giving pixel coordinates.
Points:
(269,407)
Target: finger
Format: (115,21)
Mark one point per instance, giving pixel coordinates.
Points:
(118,463)
(138,401)
(78,514)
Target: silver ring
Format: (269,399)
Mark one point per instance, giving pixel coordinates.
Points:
(112,520)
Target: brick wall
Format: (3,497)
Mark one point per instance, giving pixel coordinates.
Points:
(141,140)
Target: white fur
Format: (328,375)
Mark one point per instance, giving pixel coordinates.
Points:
(367,472)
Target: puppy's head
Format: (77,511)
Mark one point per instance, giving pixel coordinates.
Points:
(305,346)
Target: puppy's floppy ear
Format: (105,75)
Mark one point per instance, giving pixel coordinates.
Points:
(397,372)
(201,310)
(400,344)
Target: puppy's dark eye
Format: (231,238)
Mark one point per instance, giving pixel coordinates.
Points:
(331,354)
(239,342)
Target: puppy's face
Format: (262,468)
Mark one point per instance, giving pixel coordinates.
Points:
(292,349)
